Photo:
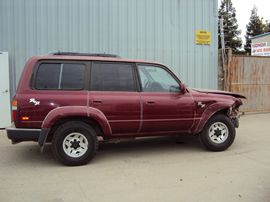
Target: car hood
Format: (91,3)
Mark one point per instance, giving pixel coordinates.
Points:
(217,92)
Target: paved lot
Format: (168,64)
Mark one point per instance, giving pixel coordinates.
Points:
(159,169)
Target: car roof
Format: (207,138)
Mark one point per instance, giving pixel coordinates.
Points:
(90,56)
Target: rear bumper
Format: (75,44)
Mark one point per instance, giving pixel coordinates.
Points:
(22,134)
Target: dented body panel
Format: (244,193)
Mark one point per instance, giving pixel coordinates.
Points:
(211,102)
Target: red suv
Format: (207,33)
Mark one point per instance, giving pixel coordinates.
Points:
(70,99)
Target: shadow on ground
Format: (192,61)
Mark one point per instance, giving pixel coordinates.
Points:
(29,153)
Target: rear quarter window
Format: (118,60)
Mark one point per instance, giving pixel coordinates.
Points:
(60,76)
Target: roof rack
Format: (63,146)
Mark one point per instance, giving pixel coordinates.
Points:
(85,54)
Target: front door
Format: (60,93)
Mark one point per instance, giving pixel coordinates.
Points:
(165,108)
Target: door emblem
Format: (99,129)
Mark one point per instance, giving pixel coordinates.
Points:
(34,101)
(200,104)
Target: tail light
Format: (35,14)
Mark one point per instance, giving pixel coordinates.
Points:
(14,110)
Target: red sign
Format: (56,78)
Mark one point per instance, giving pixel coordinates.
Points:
(258,45)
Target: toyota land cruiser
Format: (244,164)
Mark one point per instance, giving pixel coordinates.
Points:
(70,99)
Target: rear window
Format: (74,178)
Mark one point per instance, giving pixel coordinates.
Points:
(60,76)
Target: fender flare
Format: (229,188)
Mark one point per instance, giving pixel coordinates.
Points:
(68,111)
(207,114)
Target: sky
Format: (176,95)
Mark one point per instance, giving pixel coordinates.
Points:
(243,12)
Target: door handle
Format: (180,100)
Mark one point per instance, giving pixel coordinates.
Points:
(97,102)
(150,102)
(5,91)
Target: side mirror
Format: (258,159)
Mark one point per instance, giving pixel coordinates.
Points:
(183,88)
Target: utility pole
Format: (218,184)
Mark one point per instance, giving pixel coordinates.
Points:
(222,49)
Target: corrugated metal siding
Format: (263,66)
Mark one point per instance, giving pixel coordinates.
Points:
(262,39)
(158,30)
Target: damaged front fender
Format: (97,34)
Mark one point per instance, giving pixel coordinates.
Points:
(234,115)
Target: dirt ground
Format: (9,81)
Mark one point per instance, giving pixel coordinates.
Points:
(149,169)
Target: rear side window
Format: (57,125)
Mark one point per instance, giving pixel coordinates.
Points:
(112,77)
(60,76)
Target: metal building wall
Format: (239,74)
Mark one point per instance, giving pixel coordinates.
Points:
(261,38)
(159,30)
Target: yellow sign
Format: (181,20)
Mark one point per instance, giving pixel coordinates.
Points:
(203,37)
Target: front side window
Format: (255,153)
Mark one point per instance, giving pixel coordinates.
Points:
(157,79)
(60,76)
(112,77)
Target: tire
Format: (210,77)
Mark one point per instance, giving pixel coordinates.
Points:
(218,134)
(74,143)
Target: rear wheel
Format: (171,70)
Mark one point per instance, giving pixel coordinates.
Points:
(74,143)
(218,134)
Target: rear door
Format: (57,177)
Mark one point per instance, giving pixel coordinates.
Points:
(113,92)
(165,109)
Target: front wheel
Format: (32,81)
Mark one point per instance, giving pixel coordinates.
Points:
(218,134)
(74,143)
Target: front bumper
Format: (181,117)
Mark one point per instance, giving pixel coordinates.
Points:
(22,134)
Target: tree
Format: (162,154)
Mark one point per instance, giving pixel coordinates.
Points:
(266,26)
(230,26)
(254,27)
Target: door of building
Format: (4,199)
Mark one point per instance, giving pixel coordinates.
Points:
(5,110)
